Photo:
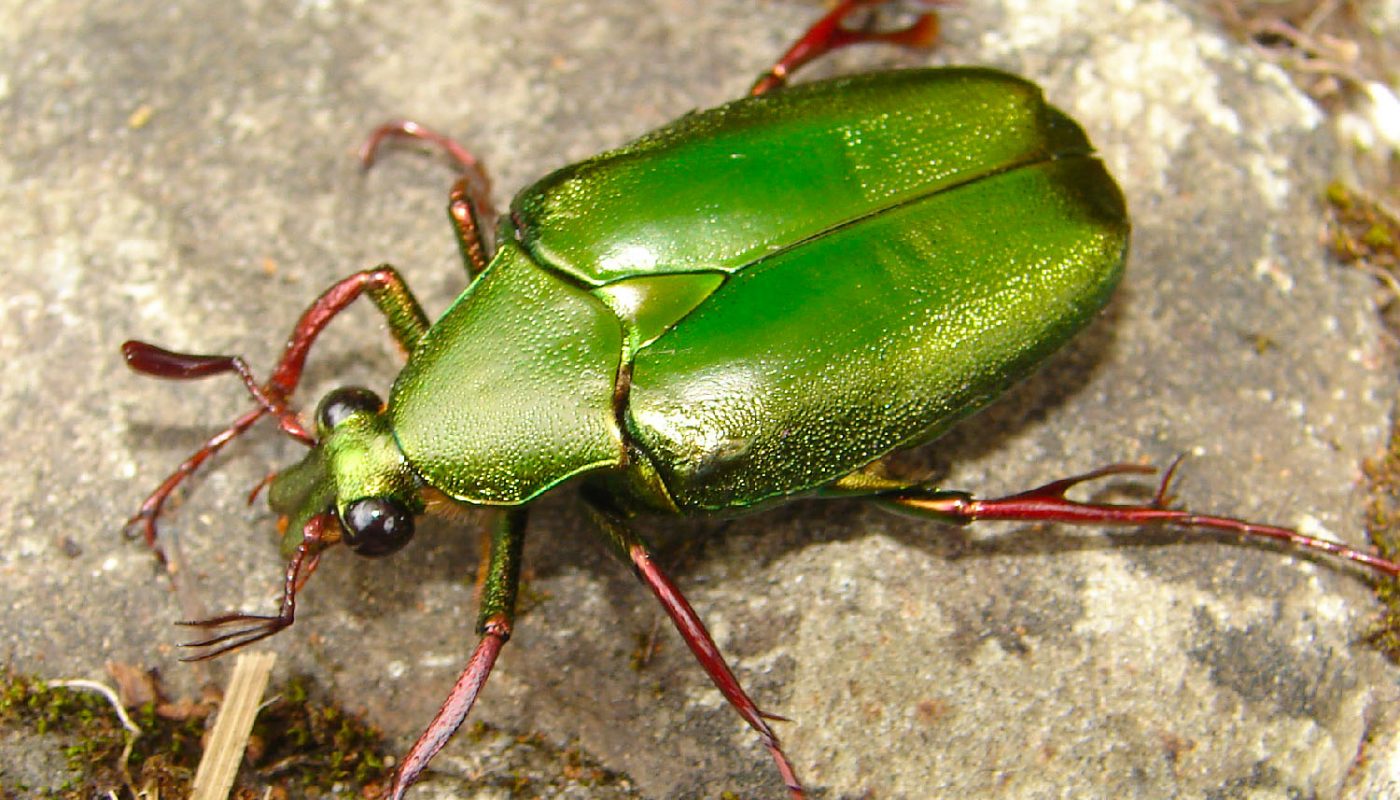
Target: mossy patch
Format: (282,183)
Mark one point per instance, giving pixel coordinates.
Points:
(93,740)
(1383,526)
(1363,233)
(300,747)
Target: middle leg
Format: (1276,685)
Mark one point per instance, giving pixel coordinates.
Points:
(697,637)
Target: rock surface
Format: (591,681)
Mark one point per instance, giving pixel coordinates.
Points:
(182,172)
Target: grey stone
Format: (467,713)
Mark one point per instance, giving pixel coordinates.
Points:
(914,661)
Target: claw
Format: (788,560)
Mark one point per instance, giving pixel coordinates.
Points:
(262,627)
(302,564)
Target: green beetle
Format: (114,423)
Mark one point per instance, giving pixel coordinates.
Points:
(649,330)
(686,367)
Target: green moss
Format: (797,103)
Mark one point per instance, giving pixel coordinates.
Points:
(93,740)
(1383,526)
(646,646)
(1362,232)
(312,746)
(1364,235)
(301,747)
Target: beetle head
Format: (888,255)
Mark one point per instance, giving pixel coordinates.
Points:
(356,473)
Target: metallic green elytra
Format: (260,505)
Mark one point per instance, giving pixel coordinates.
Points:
(757,300)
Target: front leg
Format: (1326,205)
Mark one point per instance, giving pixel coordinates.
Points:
(228,632)
(385,288)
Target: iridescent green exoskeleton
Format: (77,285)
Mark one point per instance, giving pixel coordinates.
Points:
(755,303)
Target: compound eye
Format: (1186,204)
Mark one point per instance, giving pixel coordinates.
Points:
(344,402)
(376,526)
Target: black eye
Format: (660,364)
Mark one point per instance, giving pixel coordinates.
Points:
(376,526)
(341,403)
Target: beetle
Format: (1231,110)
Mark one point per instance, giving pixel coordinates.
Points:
(648,332)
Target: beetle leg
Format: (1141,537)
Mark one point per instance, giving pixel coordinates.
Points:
(154,503)
(254,627)
(1048,503)
(469,203)
(496,617)
(389,293)
(697,638)
(468,224)
(830,33)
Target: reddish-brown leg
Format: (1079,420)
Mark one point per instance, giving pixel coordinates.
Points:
(154,504)
(159,362)
(407,323)
(254,627)
(697,638)
(469,203)
(830,33)
(388,292)
(1048,503)
(454,709)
